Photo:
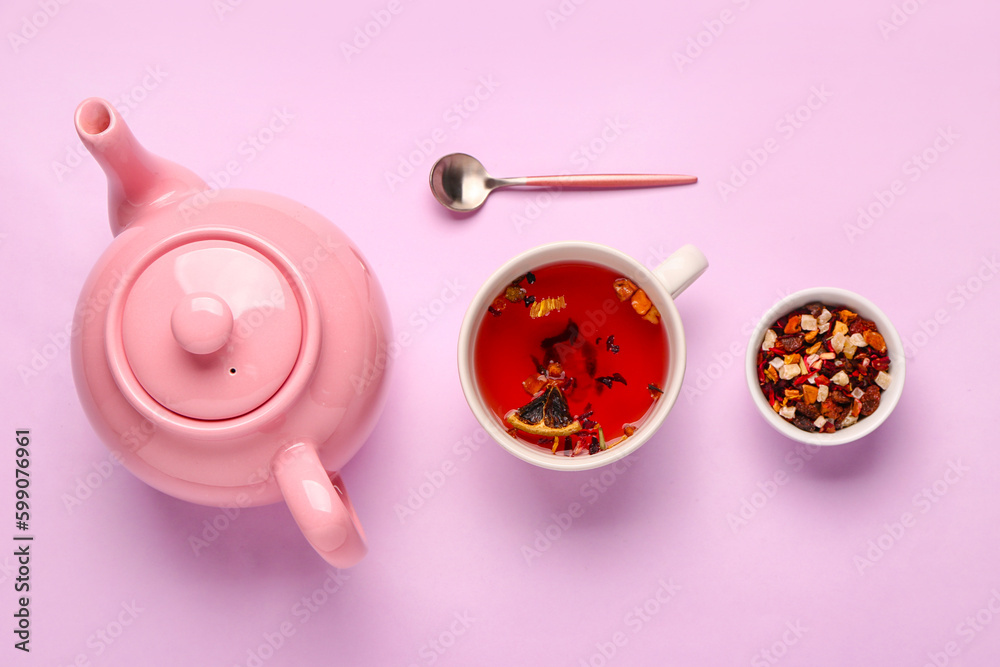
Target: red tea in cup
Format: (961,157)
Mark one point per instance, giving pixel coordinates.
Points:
(571,357)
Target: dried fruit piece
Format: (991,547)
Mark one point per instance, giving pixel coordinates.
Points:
(610,344)
(533,412)
(883,379)
(624,288)
(840,397)
(860,325)
(876,340)
(792,342)
(837,342)
(545,415)
(513,293)
(847,316)
(640,302)
(789,371)
(793,326)
(534,384)
(770,338)
(809,410)
(541,429)
(833,411)
(543,307)
(870,400)
(803,423)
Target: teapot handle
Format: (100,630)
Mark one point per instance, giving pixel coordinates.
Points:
(319,503)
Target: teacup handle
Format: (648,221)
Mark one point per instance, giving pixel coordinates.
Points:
(681,268)
(320,504)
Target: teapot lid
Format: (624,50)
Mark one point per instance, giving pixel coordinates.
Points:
(211,329)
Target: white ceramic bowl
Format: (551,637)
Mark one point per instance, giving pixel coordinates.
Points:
(830,296)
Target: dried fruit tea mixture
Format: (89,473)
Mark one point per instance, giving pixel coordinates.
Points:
(570,357)
(823,368)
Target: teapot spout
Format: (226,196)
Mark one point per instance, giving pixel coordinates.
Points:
(137,179)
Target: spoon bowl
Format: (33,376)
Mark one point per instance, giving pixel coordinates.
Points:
(461,183)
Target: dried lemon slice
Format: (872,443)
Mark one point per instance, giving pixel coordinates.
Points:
(546,415)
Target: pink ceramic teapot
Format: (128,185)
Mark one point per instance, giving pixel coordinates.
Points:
(229,344)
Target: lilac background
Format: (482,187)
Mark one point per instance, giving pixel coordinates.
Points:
(596,88)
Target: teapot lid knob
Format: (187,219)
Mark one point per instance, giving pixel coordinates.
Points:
(201,322)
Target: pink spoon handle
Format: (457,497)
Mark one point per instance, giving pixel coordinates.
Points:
(606,180)
(319,504)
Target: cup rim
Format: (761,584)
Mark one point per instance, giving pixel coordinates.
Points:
(865,308)
(581,251)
